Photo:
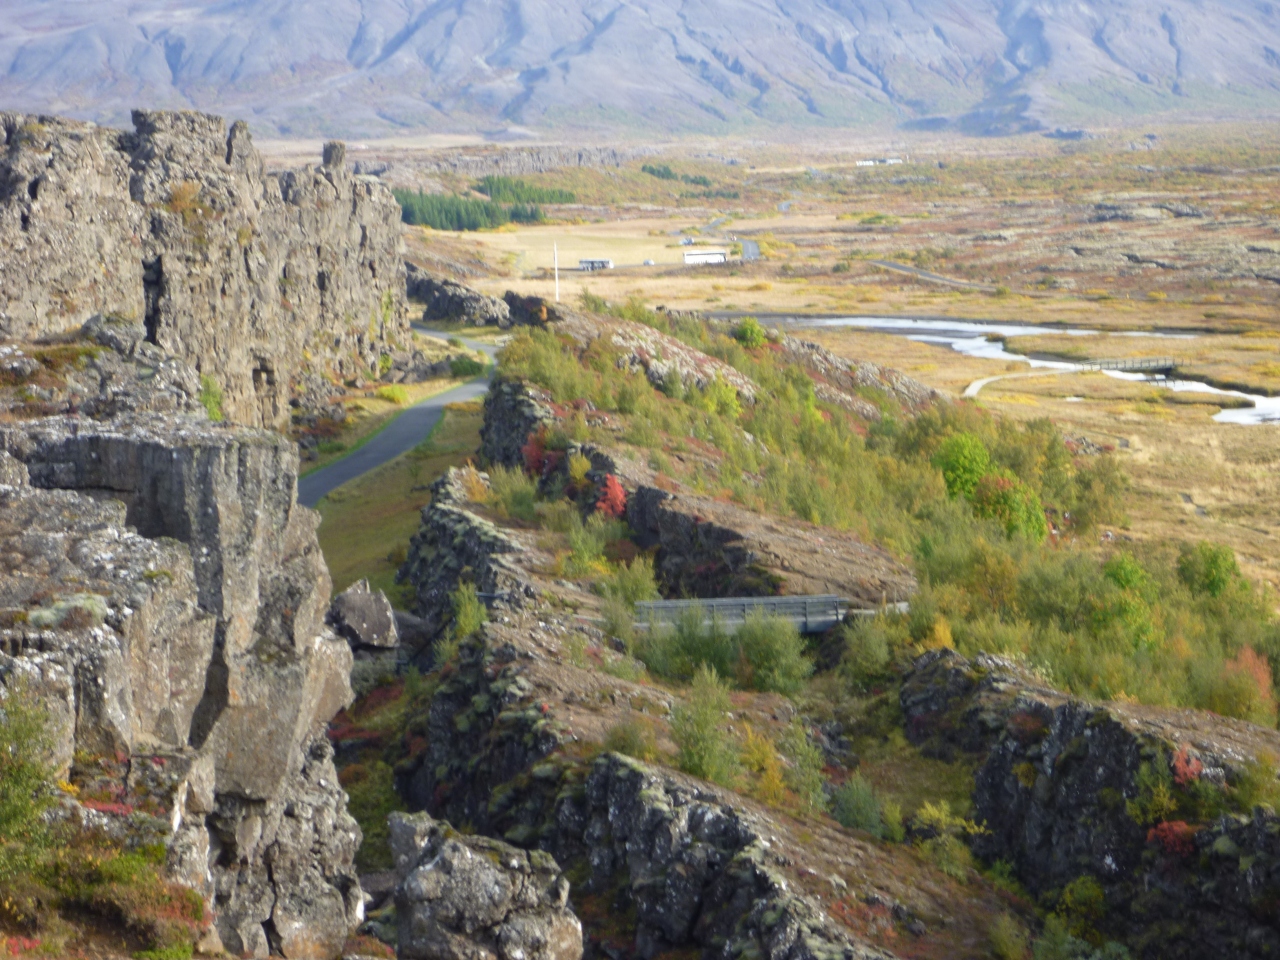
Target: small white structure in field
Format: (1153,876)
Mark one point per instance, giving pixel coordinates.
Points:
(590,266)
(694,257)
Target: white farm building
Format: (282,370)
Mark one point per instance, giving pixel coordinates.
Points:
(695,257)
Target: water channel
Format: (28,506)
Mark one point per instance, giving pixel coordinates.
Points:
(973,339)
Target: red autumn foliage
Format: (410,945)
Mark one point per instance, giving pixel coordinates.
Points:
(1026,727)
(613,499)
(1176,838)
(1186,768)
(109,806)
(17,946)
(534,452)
(1254,666)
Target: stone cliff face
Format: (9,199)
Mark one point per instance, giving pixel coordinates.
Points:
(1135,800)
(249,276)
(164,595)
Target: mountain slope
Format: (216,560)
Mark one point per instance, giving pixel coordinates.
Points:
(368,66)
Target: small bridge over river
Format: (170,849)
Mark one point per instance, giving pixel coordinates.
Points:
(1134,364)
(810,614)
(1131,363)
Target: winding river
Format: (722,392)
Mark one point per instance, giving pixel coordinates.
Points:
(973,339)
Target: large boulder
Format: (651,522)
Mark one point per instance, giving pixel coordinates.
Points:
(474,898)
(364,617)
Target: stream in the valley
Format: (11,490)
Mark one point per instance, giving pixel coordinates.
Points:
(974,340)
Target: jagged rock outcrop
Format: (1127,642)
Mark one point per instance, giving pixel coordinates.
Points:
(248,276)
(364,618)
(707,547)
(837,379)
(475,898)
(1185,871)
(447,299)
(453,539)
(513,411)
(164,595)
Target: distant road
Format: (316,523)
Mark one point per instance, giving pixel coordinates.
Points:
(750,249)
(399,436)
(928,275)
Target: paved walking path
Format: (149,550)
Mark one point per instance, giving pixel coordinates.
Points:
(400,436)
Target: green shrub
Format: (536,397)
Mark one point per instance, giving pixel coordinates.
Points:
(588,540)
(26,782)
(804,775)
(703,748)
(465,367)
(770,655)
(469,614)
(750,333)
(1008,938)
(765,653)
(1007,499)
(963,460)
(866,642)
(1082,904)
(1155,800)
(393,393)
(513,493)
(950,855)
(678,650)
(372,792)
(856,806)
(631,583)
(634,737)
(1208,569)
(211,397)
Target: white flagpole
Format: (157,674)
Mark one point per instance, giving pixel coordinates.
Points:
(555,252)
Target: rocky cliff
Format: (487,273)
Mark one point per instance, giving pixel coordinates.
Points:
(163,595)
(1153,826)
(248,276)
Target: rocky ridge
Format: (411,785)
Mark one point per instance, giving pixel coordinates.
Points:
(1128,797)
(248,276)
(163,594)
(705,547)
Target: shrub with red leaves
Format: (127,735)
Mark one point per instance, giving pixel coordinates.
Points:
(613,499)
(1176,838)
(1186,768)
(534,452)
(109,806)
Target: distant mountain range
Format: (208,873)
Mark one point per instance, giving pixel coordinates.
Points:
(370,67)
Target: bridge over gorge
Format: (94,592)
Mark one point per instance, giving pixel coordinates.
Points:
(1134,364)
(810,614)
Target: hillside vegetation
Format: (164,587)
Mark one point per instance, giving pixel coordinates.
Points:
(962,495)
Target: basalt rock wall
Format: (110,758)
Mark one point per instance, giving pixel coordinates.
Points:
(163,595)
(1140,803)
(247,275)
